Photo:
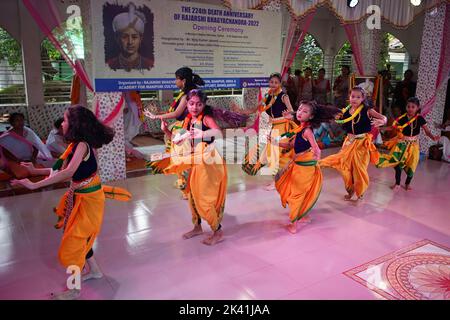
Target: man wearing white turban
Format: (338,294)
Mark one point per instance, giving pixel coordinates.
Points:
(129,31)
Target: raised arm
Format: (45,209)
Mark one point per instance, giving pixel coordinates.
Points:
(170,115)
(287,102)
(379,119)
(59,176)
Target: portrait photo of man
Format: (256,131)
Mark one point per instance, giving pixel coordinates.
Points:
(129,33)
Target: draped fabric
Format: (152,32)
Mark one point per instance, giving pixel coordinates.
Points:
(352,31)
(443,71)
(47,17)
(399,13)
(297,32)
(46,14)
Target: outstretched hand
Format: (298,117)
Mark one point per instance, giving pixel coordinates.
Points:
(24,183)
(288,115)
(149,114)
(378,122)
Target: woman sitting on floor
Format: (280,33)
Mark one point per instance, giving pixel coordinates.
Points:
(20,144)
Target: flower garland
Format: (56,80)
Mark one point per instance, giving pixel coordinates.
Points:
(353,116)
(174,103)
(274,95)
(401,127)
(58,164)
(292,133)
(188,119)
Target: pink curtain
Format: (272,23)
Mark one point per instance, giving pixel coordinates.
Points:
(47,17)
(352,30)
(444,63)
(297,34)
(288,43)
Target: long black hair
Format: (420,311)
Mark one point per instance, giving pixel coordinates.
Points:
(193,80)
(320,113)
(203,98)
(15,115)
(58,122)
(85,127)
(275,75)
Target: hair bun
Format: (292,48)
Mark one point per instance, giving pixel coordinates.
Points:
(196,79)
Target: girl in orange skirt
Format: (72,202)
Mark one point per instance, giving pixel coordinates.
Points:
(185,80)
(80,211)
(275,104)
(207,181)
(404,148)
(300,182)
(358,149)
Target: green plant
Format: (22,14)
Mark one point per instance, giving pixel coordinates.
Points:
(309,55)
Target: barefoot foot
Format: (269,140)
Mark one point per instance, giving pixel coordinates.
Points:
(407,187)
(348,197)
(194,232)
(216,237)
(91,275)
(395,187)
(292,227)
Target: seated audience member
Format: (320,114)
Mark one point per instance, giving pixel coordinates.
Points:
(55,141)
(322,135)
(21,144)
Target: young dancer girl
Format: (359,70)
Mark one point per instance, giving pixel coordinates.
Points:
(275,103)
(185,80)
(300,182)
(80,210)
(207,181)
(358,150)
(405,152)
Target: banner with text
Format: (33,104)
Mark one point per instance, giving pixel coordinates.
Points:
(138,45)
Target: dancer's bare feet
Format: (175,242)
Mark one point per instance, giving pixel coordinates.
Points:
(94,270)
(184,196)
(91,275)
(71,294)
(348,196)
(407,187)
(270,187)
(395,187)
(216,237)
(359,200)
(292,227)
(194,232)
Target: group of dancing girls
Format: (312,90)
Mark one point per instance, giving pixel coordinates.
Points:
(202,171)
(290,152)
